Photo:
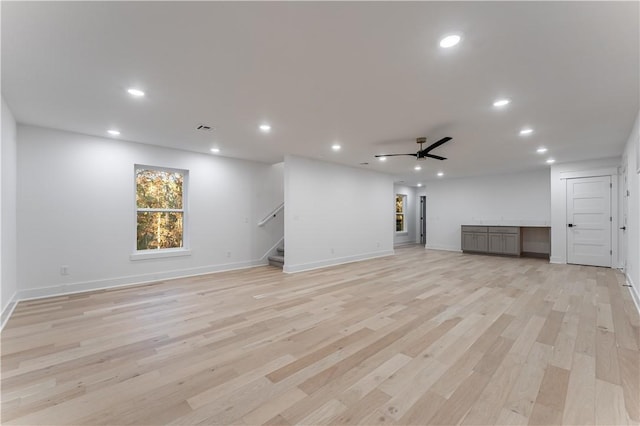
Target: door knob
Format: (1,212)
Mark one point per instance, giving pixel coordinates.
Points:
(571,225)
(624,228)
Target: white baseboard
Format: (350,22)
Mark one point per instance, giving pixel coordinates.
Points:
(126,281)
(444,248)
(81,287)
(557,260)
(8,310)
(634,292)
(405,244)
(335,261)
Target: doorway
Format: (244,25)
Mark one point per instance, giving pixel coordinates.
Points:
(589,221)
(423,220)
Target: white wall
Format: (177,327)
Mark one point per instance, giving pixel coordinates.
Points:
(632,255)
(8,238)
(335,214)
(559,202)
(518,198)
(76,208)
(411,212)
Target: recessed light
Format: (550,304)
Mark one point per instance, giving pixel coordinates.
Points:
(501,102)
(419,185)
(417,168)
(551,161)
(526,131)
(135,92)
(113,132)
(449,41)
(335,147)
(382,158)
(440,174)
(265,128)
(215,150)
(541,150)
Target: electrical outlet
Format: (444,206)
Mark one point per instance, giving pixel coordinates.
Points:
(228,254)
(64,270)
(332,251)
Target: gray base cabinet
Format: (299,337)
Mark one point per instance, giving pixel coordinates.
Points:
(495,243)
(474,241)
(511,244)
(491,239)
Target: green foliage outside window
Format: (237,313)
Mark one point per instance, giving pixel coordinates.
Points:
(400,213)
(160,211)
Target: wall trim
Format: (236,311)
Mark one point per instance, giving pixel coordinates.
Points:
(126,281)
(289,269)
(132,280)
(8,310)
(605,171)
(443,248)
(557,260)
(405,243)
(634,292)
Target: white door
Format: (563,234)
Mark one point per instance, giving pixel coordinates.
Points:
(589,221)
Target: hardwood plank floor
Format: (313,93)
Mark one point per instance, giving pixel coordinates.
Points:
(422,337)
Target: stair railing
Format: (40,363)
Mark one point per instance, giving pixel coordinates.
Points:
(271,215)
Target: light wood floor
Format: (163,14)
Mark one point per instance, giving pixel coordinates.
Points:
(423,337)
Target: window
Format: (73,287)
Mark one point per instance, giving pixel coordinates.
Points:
(160,208)
(401,204)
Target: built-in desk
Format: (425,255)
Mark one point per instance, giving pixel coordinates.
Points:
(509,240)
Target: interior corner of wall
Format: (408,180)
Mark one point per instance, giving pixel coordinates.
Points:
(8,309)
(634,291)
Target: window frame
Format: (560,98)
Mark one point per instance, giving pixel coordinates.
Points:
(162,252)
(403,213)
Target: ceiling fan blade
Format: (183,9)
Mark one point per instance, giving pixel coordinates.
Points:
(436,144)
(437,157)
(394,155)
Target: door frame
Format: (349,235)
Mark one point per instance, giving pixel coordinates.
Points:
(423,220)
(624,214)
(614,173)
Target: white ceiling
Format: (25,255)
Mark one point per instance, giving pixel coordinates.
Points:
(368,75)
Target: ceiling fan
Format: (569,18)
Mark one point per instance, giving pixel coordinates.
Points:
(423,153)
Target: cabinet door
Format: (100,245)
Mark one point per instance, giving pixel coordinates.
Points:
(511,244)
(468,241)
(481,242)
(495,243)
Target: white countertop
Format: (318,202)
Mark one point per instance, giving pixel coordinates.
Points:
(519,223)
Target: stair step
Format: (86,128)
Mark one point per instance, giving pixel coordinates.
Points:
(277,261)
(280,251)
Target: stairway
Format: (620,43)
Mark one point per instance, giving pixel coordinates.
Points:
(277,260)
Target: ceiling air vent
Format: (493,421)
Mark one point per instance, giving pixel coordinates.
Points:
(204,128)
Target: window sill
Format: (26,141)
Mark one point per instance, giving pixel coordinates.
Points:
(402,233)
(158,254)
